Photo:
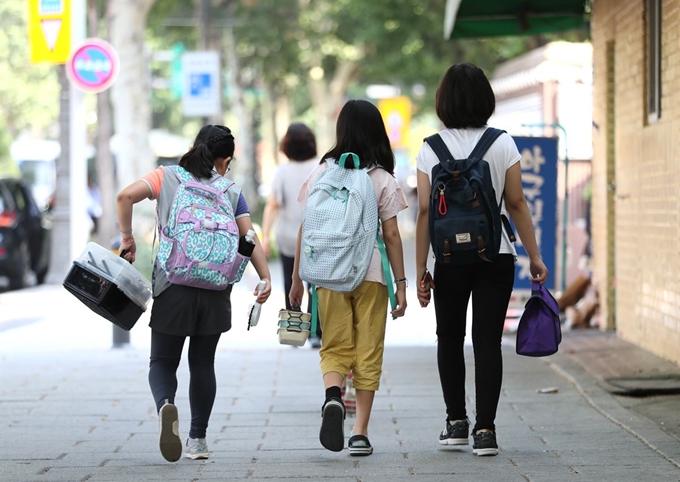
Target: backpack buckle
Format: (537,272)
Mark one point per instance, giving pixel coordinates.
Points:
(341,195)
(481,248)
(475,201)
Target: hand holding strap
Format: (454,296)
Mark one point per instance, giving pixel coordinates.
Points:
(386,270)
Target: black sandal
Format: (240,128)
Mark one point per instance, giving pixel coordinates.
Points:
(359,445)
(332,434)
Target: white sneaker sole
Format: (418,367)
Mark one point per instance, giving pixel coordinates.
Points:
(455,441)
(485,452)
(197,456)
(169,441)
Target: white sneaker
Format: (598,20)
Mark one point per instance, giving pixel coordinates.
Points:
(196,448)
(169,441)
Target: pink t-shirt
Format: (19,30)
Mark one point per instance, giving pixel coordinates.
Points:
(390,199)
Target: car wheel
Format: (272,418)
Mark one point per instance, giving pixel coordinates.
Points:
(19,279)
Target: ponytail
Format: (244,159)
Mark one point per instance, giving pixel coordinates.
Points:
(198,161)
(212,142)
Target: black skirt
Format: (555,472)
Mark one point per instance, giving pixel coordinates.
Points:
(186,311)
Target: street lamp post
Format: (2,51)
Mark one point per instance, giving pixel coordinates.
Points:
(565,204)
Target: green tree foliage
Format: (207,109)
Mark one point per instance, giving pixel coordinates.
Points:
(397,42)
(29,94)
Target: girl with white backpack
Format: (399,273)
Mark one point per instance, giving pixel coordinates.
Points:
(353,320)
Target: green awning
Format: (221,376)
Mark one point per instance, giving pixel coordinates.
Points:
(491,18)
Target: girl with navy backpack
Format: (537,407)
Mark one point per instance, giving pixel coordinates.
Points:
(181,310)
(353,322)
(464,103)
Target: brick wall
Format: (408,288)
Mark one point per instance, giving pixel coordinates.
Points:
(643,242)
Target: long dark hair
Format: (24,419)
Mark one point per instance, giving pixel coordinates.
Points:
(212,142)
(360,129)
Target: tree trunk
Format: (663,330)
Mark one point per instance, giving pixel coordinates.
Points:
(131,91)
(327,100)
(277,114)
(244,169)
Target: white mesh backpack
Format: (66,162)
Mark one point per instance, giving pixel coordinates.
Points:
(339,227)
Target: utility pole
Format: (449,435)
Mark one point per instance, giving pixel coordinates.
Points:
(70,216)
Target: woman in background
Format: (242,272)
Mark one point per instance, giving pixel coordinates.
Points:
(299,146)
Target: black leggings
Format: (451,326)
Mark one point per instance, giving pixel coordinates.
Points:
(166,351)
(491,286)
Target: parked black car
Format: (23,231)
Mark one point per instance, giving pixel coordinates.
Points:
(25,232)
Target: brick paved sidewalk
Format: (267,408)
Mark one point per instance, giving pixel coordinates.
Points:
(87,415)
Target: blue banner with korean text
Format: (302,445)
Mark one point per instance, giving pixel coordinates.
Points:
(539,181)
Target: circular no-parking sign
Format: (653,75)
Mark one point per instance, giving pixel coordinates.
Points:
(93,66)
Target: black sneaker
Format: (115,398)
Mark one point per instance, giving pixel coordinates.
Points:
(455,433)
(332,434)
(485,443)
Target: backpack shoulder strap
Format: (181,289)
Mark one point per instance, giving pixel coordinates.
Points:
(182,174)
(489,137)
(222,183)
(508,228)
(386,270)
(353,158)
(439,147)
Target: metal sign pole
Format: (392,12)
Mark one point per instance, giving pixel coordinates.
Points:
(78,143)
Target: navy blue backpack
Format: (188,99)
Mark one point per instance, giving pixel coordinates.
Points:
(465,219)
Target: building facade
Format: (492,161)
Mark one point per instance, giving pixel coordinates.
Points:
(552,85)
(636,170)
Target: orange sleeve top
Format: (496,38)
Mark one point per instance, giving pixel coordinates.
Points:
(154,180)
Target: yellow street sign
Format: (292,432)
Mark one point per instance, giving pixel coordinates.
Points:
(396,113)
(49,30)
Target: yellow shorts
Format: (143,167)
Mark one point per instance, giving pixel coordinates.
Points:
(353,332)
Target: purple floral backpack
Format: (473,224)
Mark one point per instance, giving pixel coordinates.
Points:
(539,332)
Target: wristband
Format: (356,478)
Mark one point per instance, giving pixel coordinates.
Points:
(126,232)
(401,281)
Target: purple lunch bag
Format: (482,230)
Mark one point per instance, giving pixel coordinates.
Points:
(539,332)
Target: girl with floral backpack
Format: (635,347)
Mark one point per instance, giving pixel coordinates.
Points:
(191,299)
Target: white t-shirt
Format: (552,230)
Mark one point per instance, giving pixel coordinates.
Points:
(501,156)
(285,187)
